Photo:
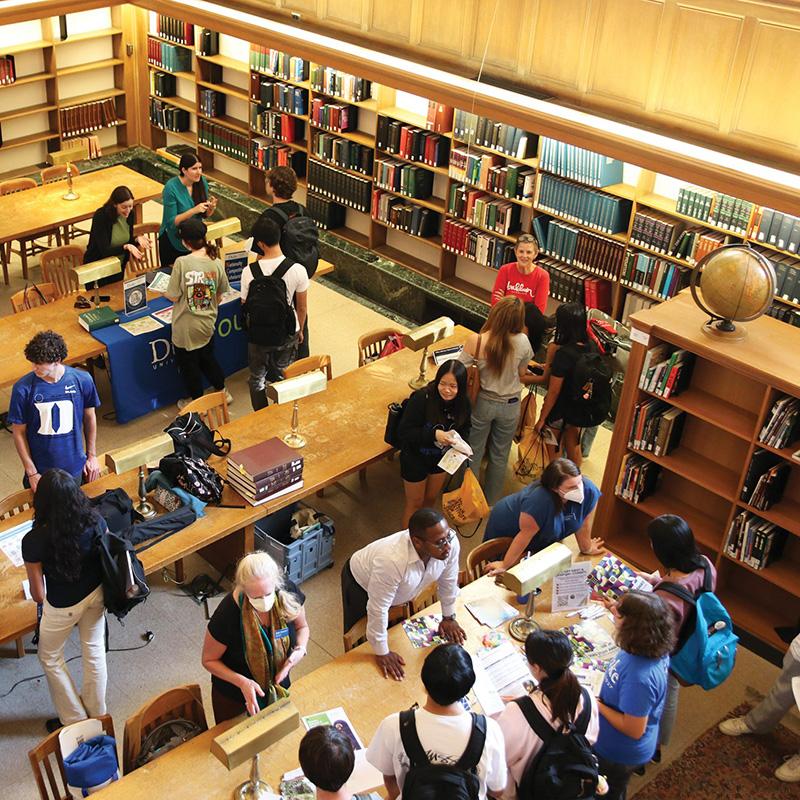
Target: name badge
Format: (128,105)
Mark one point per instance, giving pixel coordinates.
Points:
(281,633)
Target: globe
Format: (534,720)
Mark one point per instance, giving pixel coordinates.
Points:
(732,283)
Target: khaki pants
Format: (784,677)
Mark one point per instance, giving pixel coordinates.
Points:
(54,630)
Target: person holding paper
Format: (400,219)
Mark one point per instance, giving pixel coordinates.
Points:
(433,419)
(561,503)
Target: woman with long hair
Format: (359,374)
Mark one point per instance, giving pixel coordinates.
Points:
(431,418)
(184,196)
(60,548)
(502,352)
(255,637)
(557,697)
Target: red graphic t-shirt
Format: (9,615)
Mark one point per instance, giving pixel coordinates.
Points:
(533,288)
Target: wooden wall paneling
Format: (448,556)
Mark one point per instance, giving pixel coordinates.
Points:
(446,25)
(303,6)
(508,32)
(352,13)
(141,77)
(393,21)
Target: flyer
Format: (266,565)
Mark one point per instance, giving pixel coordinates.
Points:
(570,588)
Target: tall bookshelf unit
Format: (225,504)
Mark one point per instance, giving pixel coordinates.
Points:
(732,388)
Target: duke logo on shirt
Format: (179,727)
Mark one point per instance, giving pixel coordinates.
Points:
(65,414)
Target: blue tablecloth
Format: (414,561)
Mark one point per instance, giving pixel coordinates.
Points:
(144,375)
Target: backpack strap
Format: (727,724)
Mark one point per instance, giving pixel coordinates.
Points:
(582,722)
(280,212)
(283,268)
(474,750)
(539,725)
(411,743)
(257,271)
(678,591)
(708,578)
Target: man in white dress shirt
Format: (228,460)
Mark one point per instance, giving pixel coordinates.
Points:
(395,569)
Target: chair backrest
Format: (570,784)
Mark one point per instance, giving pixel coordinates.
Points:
(151,260)
(310,364)
(358,633)
(57,265)
(15,503)
(427,597)
(48,768)
(212,408)
(371,344)
(478,558)
(30,297)
(57,173)
(17,185)
(182,702)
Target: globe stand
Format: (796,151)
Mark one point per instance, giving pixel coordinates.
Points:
(723,329)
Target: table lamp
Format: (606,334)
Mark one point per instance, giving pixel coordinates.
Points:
(138,455)
(421,339)
(71,194)
(249,738)
(92,272)
(528,576)
(290,391)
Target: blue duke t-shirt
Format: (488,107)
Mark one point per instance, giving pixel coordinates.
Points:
(53,414)
(637,686)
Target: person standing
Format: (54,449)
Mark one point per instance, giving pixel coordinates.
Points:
(327,759)
(59,549)
(52,414)
(523,278)
(197,282)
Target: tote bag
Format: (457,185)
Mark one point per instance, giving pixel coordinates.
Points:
(467,503)
(531,457)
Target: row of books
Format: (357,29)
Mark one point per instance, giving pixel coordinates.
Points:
(87,117)
(412,143)
(343,153)
(483,210)
(265,154)
(765,479)
(782,426)
(335,117)
(408,179)
(163,84)
(8,70)
(572,285)
(439,118)
(784,314)
(656,427)
(224,140)
(168,57)
(696,243)
(407,217)
(265,470)
(349,190)
(638,478)
(633,303)
(484,132)
(464,240)
(714,207)
(279,64)
(176,30)
(787,274)
(212,103)
(776,228)
(276,124)
(167,117)
(490,172)
(579,164)
(270,93)
(327,213)
(580,204)
(336,83)
(666,372)
(754,541)
(578,247)
(655,231)
(653,274)
(208,42)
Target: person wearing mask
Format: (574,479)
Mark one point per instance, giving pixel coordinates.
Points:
(442,726)
(634,688)
(65,577)
(560,503)
(197,282)
(184,196)
(523,278)
(52,414)
(502,352)
(557,697)
(255,637)
(394,570)
(430,419)
(327,759)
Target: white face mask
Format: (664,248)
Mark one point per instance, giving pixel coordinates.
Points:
(574,495)
(263,604)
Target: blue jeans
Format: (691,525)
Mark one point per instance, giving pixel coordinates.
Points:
(493,422)
(267,363)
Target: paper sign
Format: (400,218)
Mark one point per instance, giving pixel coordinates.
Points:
(570,589)
(159,283)
(640,336)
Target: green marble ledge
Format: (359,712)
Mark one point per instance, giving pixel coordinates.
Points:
(376,281)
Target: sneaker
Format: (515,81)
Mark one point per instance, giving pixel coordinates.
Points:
(789,771)
(183,402)
(53,724)
(228,397)
(736,726)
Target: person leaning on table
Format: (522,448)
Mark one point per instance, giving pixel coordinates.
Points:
(395,569)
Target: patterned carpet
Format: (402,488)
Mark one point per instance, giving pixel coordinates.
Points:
(718,767)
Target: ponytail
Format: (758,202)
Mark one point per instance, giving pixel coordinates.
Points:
(563,692)
(552,653)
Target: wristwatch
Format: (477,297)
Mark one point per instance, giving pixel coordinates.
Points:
(449,617)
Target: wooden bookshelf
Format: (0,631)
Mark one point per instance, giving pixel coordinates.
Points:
(732,389)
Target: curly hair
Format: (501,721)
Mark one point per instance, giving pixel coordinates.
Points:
(46,347)
(646,626)
(283,181)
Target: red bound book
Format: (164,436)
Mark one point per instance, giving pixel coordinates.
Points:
(188,33)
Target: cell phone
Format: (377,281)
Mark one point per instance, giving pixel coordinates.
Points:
(537,370)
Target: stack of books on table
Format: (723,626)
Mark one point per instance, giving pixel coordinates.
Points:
(265,471)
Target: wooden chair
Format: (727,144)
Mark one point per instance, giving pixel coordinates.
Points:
(57,265)
(9,507)
(53,175)
(371,344)
(151,260)
(27,246)
(30,298)
(182,702)
(477,559)
(358,633)
(310,364)
(212,408)
(48,767)
(427,597)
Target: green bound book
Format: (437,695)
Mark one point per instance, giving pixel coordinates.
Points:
(97,318)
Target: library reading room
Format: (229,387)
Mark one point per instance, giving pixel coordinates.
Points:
(498,495)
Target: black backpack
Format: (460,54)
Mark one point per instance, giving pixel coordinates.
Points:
(299,239)
(165,737)
(268,317)
(192,475)
(192,437)
(124,584)
(591,390)
(427,781)
(565,768)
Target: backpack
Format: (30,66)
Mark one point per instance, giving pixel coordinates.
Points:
(193,475)
(706,649)
(591,384)
(124,584)
(116,508)
(394,417)
(92,764)
(268,316)
(427,781)
(299,239)
(565,768)
(192,437)
(165,737)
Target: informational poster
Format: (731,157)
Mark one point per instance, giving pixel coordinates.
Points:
(570,589)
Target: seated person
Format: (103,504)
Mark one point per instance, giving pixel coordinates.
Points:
(561,503)
(327,760)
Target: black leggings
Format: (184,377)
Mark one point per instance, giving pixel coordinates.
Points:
(194,364)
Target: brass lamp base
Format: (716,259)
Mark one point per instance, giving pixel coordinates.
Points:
(70,196)
(143,507)
(294,439)
(421,379)
(255,788)
(522,627)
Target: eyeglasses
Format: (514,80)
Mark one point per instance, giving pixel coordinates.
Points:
(440,544)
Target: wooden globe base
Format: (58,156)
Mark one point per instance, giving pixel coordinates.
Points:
(735,334)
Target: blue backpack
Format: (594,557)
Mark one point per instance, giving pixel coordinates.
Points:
(706,649)
(93,763)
